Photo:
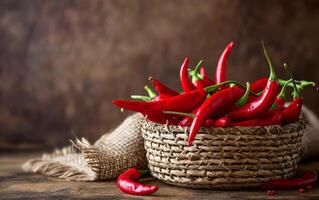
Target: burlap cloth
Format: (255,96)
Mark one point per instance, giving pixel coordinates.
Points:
(123,148)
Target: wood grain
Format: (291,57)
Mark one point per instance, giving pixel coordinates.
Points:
(15,184)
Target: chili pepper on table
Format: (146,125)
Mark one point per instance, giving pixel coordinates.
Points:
(187,85)
(161,88)
(309,178)
(127,183)
(263,102)
(220,73)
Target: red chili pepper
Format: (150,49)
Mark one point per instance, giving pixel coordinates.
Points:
(272,117)
(181,103)
(222,122)
(126,182)
(217,100)
(270,192)
(292,112)
(188,118)
(196,79)
(187,121)
(206,79)
(280,101)
(161,88)
(309,178)
(220,74)
(187,85)
(259,85)
(255,87)
(264,102)
(223,108)
(163,119)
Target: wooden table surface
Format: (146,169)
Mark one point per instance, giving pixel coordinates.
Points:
(15,184)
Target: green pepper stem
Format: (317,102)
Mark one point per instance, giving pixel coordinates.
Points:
(141,98)
(196,70)
(179,113)
(195,73)
(272,75)
(243,100)
(282,93)
(213,88)
(296,93)
(150,92)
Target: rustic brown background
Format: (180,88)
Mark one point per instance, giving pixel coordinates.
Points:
(62,62)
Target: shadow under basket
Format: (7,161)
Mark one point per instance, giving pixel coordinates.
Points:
(223,158)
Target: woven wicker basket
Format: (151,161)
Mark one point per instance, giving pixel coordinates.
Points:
(223,158)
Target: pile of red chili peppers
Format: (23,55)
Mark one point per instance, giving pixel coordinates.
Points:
(218,102)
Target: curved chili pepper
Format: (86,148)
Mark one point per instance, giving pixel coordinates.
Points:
(280,101)
(187,85)
(206,79)
(161,88)
(272,117)
(182,103)
(255,87)
(292,112)
(220,74)
(262,103)
(163,119)
(259,85)
(309,178)
(196,79)
(126,182)
(186,121)
(222,122)
(220,99)
(217,103)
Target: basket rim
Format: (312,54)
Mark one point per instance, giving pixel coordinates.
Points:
(301,122)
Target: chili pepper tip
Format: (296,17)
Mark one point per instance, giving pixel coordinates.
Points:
(301,190)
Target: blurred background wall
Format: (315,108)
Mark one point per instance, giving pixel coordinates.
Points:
(62,62)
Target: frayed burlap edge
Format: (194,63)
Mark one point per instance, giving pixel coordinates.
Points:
(65,170)
(112,154)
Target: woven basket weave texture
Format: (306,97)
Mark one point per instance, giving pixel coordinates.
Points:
(223,158)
